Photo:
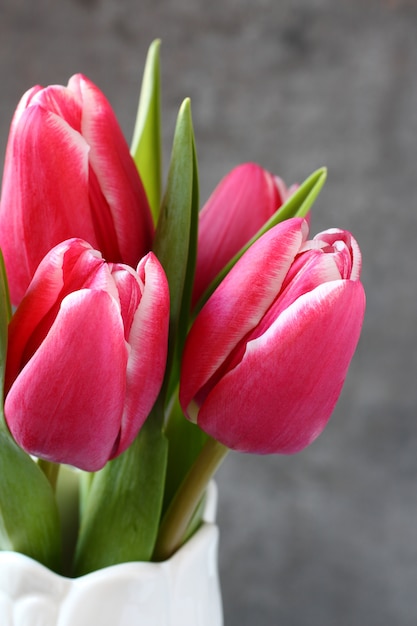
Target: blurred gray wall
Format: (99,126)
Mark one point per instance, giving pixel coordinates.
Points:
(327,537)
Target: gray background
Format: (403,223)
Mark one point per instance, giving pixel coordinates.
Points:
(327,537)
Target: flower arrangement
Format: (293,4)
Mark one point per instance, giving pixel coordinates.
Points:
(142,339)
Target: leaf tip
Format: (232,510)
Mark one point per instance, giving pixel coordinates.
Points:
(323,172)
(185,107)
(155,47)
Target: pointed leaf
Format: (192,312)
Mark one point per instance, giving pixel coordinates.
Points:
(176,234)
(301,201)
(122,513)
(146,143)
(192,258)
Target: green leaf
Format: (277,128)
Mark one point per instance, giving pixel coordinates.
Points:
(29,519)
(122,513)
(297,205)
(185,442)
(176,234)
(146,143)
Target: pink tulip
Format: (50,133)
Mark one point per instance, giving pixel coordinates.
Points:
(239,206)
(266,358)
(86,356)
(68,173)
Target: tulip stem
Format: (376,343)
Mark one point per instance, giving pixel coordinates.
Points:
(181,510)
(51,471)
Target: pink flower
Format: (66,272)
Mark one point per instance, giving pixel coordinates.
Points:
(68,173)
(86,356)
(266,358)
(239,206)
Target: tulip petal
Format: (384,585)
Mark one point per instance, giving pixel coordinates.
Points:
(148,344)
(36,210)
(62,102)
(116,173)
(239,206)
(239,303)
(333,236)
(69,266)
(63,406)
(281,395)
(24,102)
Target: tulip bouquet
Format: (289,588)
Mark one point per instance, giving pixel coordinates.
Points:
(142,339)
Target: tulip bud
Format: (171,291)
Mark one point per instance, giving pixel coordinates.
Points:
(68,173)
(239,206)
(86,356)
(266,357)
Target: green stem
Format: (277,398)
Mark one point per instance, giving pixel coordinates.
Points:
(180,512)
(51,471)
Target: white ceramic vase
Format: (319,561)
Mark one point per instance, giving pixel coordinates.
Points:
(182,591)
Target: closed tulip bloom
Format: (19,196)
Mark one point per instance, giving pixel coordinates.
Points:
(86,356)
(239,206)
(68,173)
(266,358)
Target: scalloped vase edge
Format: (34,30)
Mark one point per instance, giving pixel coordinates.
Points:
(184,590)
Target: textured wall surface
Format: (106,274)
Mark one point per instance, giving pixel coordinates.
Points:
(327,537)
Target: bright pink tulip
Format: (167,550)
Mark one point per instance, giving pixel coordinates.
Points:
(68,173)
(239,206)
(86,356)
(266,358)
